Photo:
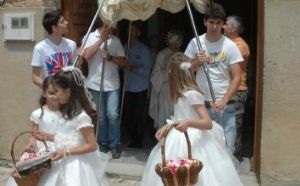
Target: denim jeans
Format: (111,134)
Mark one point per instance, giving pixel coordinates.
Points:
(228,122)
(109,119)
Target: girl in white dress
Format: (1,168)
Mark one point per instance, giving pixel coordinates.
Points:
(207,137)
(44,121)
(77,160)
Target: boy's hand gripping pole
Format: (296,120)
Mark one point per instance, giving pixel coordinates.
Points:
(212,93)
(88,32)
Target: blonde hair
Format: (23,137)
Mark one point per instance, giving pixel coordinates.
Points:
(181,78)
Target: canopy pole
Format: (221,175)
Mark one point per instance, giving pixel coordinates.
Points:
(103,66)
(89,31)
(101,92)
(124,81)
(200,50)
(218,115)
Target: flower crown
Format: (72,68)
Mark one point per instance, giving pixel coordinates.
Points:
(174,37)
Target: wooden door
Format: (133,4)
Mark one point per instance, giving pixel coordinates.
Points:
(259,90)
(79,13)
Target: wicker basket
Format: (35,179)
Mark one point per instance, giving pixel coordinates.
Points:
(185,175)
(30,175)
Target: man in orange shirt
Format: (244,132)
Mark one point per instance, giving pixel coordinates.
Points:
(232,29)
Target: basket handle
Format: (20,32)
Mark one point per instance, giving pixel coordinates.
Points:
(163,153)
(12,153)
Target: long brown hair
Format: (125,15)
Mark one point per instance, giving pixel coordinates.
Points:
(78,100)
(43,100)
(180,80)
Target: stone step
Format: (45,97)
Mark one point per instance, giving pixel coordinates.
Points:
(129,169)
(132,162)
(130,165)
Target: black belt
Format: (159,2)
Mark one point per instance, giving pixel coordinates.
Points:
(207,103)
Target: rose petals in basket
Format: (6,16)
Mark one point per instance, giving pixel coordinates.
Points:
(181,172)
(30,169)
(175,164)
(34,162)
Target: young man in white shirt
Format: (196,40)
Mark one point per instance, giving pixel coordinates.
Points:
(223,59)
(109,136)
(54,52)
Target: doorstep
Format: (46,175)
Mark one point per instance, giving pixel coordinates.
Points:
(131,164)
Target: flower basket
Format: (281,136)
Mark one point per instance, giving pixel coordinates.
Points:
(181,172)
(29,171)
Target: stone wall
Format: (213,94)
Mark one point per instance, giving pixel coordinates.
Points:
(18,95)
(280,150)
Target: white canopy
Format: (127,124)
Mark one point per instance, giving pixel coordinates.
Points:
(116,10)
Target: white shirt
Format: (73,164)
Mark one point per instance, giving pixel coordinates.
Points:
(222,54)
(52,57)
(111,75)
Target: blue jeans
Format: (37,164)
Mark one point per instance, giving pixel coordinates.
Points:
(228,122)
(109,119)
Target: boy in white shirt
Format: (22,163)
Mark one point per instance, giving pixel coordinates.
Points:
(54,52)
(95,54)
(223,59)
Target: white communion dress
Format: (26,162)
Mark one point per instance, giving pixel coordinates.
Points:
(208,146)
(48,121)
(75,170)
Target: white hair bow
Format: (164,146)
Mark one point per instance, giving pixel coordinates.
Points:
(77,74)
(185,65)
(68,68)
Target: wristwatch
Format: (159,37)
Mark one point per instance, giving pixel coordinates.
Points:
(109,57)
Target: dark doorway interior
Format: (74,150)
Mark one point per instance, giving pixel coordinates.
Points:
(248,11)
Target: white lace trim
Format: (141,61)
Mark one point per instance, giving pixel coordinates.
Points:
(85,125)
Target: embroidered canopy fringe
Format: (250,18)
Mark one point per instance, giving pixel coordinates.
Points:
(116,10)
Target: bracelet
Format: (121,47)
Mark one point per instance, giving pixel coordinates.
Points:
(65,156)
(68,152)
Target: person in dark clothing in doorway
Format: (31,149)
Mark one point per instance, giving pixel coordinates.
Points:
(136,86)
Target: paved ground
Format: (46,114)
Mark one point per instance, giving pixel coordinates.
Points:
(113,180)
(133,160)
